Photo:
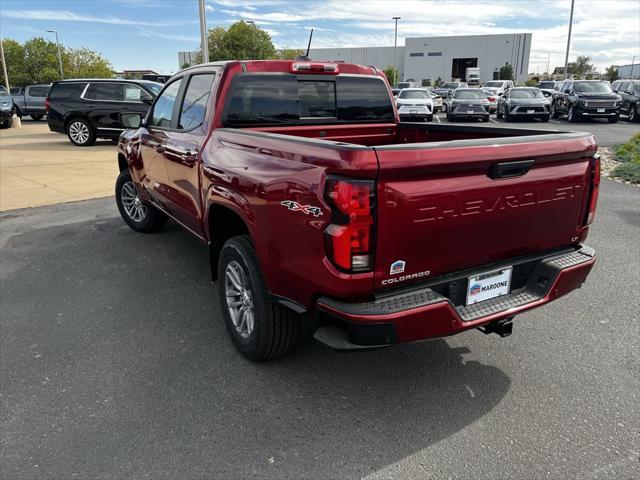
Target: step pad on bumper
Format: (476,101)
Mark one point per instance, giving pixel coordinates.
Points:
(541,280)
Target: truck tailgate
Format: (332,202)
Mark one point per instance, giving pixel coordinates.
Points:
(448,206)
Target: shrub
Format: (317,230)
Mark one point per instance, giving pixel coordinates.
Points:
(629,154)
(630,151)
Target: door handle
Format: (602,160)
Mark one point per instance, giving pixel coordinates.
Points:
(510,169)
(188,158)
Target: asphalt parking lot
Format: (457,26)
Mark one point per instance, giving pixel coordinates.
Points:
(115,363)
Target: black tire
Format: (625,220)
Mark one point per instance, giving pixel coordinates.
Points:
(88,136)
(37,118)
(485,120)
(275,328)
(507,116)
(613,119)
(450,118)
(151,221)
(554,111)
(6,123)
(633,113)
(428,118)
(544,118)
(443,109)
(498,113)
(572,116)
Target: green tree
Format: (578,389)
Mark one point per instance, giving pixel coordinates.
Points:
(389,73)
(241,41)
(506,72)
(581,67)
(14,55)
(36,61)
(85,63)
(438,82)
(289,53)
(612,73)
(531,82)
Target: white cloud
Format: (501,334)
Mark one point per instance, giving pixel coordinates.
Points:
(209,8)
(65,15)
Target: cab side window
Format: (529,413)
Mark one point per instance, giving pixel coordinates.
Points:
(106,92)
(163,108)
(195,101)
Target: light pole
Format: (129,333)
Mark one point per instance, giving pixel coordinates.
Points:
(59,54)
(253,37)
(204,45)
(4,65)
(395,47)
(566,56)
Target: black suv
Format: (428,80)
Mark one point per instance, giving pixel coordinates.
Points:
(92,108)
(629,90)
(586,98)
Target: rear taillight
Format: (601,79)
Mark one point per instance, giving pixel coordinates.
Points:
(46,105)
(349,237)
(595,188)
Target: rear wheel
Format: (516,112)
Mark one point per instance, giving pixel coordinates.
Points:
(81,133)
(444,108)
(6,123)
(139,216)
(633,113)
(37,118)
(260,327)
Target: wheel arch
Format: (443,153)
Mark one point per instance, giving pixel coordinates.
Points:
(223,223)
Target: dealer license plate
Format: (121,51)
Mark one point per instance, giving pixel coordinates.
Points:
(469,112)
(531,112)
(601,110)
(413,112)
(489,285)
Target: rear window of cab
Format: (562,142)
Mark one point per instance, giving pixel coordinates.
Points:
(267,99)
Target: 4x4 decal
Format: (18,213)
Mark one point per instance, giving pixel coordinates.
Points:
(306,209)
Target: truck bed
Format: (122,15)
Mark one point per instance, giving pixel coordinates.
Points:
(436,185)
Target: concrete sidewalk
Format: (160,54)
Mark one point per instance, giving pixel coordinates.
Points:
(38,167)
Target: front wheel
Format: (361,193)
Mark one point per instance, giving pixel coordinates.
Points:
(6,123)
(544,118)
(259,327)
(428,118)
(450,118)
(139,216)
(81,133)
(613,119)
(572,116)
(554,111)
(633,113)
(444,108)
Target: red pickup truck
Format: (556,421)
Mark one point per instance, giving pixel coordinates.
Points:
(327,216)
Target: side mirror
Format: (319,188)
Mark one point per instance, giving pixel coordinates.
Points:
(131,120)
(147,100)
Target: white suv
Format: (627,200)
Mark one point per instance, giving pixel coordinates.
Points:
(415,104)
(498,87)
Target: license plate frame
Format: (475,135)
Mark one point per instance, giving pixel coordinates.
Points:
(601,110)
(469,112)
(488,285)
(530,112)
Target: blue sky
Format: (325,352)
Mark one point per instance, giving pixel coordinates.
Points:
(149,33)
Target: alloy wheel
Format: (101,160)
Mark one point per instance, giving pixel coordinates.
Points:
(79,132)
(239,299)
(132,203)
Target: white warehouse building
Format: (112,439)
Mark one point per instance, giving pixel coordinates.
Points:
(427,58)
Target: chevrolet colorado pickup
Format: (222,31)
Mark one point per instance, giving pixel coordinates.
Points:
(327,216)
